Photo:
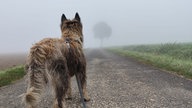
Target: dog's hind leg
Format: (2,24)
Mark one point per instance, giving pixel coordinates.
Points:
(83,80)
(36,85)
(60,80)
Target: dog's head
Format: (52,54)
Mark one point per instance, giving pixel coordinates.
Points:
(70,28)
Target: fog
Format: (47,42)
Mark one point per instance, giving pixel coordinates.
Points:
(24,22)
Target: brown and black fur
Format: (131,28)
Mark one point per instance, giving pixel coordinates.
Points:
(56,60)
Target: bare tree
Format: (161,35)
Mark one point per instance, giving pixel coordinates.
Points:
(102,30)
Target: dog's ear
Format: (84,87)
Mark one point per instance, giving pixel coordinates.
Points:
(77,17)
(63,18)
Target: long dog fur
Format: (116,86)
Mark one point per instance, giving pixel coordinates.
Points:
(56,60)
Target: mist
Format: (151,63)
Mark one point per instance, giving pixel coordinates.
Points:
(23,23)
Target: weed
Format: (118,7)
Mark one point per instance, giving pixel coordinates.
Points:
(9,75)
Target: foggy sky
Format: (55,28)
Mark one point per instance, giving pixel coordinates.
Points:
(24,22)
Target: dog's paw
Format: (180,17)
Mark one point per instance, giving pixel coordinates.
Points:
(87,99)
(68,98)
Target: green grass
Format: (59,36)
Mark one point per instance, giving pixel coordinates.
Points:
(10,75)
(171,56)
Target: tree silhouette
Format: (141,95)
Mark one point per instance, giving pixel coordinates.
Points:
(102,30)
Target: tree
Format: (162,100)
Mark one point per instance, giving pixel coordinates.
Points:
(102,30)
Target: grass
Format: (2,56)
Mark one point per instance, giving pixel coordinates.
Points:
(10,75)
(175,57)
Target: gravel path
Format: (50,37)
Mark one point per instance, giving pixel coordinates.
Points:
(116,82)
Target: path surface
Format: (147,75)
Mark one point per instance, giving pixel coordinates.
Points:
(116,82)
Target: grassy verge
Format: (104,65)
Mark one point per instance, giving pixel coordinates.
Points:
(12,74)
(167,60)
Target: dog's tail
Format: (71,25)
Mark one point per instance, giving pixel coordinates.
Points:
(39,58)
(37,81)
(39,53)
(36,74)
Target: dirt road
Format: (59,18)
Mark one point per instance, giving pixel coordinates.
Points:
(116,82)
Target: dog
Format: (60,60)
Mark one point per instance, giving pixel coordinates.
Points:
(56,60)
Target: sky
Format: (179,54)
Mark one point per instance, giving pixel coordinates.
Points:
(25,22)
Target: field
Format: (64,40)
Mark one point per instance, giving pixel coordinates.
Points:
(174,57)
(11,60)
(11,68)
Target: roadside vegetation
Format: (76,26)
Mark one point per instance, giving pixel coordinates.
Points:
(10,75)
(174,57)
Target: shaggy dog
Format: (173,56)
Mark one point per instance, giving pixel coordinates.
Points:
(56,60)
